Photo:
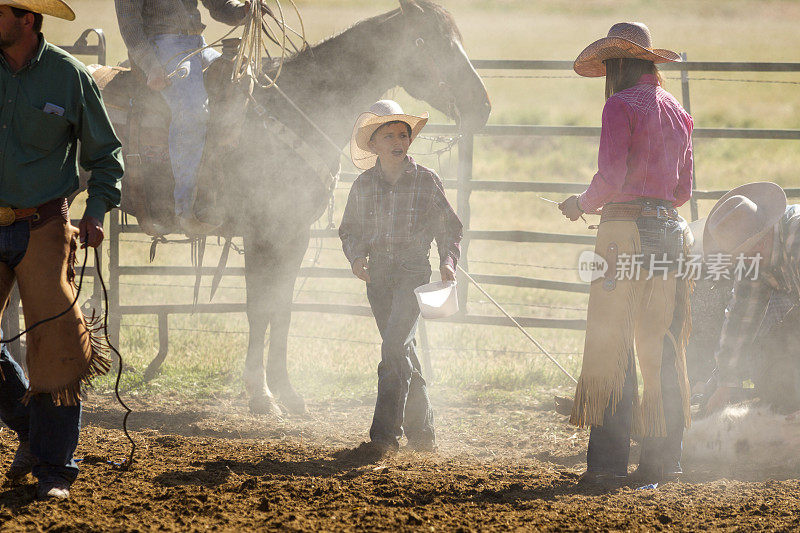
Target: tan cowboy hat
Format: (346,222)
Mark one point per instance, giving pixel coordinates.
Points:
(624,40)
(742,217)
(380,113)
(55,8)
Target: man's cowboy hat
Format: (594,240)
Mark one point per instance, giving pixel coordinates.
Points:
(742,217)
(380,113)
(697,228)
(55,8)
(624,40)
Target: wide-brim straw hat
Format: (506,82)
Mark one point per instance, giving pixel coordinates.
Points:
(380,113)
(742,217)
(54,8)
(625,40)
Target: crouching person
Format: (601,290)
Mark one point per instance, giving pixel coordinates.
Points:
(49,104)
(394,210)
(644,173)
(761,331)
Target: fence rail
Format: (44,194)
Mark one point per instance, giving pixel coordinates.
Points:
(464,185)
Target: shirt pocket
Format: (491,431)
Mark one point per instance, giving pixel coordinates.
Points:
(40,133)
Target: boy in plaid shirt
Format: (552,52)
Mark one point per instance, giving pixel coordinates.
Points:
(394,210)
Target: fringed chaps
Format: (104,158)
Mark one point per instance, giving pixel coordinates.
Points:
(66,352)
(627,318)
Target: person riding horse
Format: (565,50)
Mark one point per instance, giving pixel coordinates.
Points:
(159,34)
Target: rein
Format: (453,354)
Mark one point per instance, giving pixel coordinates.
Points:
(437,75)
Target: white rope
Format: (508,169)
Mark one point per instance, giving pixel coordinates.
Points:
(500,307)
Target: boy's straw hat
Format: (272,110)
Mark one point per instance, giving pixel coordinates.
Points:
(742,217)
(624,40)
(379,113)
(55,8)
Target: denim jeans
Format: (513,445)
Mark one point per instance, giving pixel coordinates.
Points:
(52,431)
(610,444)
(188,102)
(403,405)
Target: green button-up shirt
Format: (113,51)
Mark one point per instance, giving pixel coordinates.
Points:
(45,109)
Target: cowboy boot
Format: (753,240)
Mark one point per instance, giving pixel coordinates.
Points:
(23,462)
(52,490)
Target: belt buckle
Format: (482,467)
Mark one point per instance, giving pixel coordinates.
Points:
(7,216)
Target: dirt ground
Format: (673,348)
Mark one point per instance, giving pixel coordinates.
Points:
(210,465)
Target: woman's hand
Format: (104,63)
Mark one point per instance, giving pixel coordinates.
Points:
(570,208)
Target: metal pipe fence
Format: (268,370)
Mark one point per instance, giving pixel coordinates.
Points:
(464,185)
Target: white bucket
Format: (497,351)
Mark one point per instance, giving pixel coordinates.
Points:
(438,299)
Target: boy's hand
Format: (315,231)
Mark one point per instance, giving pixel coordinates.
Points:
(360,269)
(448,273)
(570,208)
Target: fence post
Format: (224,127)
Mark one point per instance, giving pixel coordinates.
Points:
(465,152)
(114,318)
(687,105)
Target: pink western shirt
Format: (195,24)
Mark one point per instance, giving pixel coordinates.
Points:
(645,149)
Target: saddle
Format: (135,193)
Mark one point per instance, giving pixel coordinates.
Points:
(141,119)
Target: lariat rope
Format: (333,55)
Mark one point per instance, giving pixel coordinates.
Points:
(512,319)
(256,27)
(126,464)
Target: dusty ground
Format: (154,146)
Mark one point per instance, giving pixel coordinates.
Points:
(209,465)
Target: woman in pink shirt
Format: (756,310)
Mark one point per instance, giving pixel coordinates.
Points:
(640,304)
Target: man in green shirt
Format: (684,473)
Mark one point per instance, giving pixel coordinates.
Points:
(48,104)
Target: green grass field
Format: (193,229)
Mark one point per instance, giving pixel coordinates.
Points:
(475,360)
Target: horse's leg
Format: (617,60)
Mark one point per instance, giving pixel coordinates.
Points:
(280,321)
(257,272)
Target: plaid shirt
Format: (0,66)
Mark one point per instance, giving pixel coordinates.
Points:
(400,219)
(757,305)
(141,20)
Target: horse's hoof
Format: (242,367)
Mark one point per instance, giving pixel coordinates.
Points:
(288,397)
(264,405)
(294,403)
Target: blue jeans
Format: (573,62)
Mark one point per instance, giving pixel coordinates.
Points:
(52,431)
(403,404)
(610,444)
(188,102)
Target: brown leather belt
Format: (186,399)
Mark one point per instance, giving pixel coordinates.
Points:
(634,210)
(36,215)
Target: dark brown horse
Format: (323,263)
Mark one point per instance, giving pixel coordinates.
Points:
(269,194)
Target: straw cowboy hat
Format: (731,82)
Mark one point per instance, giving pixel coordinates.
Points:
(380,113)
(55,8)
(624,40)
(742,217)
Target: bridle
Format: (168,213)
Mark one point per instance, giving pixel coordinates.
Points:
(436,72)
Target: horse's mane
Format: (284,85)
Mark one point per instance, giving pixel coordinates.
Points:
(445,23)
(444,19)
